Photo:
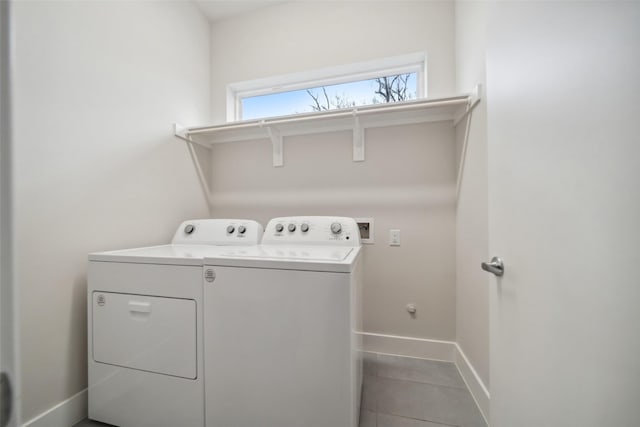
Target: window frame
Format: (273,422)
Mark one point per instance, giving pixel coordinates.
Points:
(411,63)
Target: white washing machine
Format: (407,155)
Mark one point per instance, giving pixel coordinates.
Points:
(280,324)
(145,340)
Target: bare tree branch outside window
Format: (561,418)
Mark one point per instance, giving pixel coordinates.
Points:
(384,90)
(333,103)
(347,95)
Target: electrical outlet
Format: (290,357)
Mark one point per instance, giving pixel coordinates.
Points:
(394,237)
(365,225)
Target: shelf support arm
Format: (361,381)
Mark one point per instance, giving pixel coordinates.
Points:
(277,146)
(358,138)
(183,133)
(474,98)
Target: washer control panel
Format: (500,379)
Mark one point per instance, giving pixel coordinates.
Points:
(312,230)
(218,232)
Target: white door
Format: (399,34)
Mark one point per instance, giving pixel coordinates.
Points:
(563,97)
(8,384)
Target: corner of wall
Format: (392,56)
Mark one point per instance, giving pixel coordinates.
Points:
(472,302)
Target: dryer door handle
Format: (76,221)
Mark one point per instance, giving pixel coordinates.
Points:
(140,307)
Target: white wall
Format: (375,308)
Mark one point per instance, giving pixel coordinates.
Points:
(472,284)
(300,36)
(407,182)
(408,178)
(97,87)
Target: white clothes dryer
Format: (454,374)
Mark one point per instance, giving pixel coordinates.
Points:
(281,327)
(145,340)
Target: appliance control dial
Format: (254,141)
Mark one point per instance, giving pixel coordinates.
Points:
(242,229)
(279,228)
(336,228)
(304,227)
(291,227)
(189,228)
(230,229)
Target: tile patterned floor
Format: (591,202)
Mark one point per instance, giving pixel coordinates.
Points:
(406,392)
(90,423)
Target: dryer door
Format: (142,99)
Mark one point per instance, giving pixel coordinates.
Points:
(154,334)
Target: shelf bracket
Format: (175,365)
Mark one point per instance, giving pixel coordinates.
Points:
(473,99)
(358,139)
(474,96)
(181,132)
(277,146)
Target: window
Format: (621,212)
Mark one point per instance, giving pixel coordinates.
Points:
(394,88)
(388,80)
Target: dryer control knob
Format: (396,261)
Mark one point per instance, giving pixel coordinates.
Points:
(336,228)
(291,227)
(304,227)
(279,228)
(188,229)
(231,229)
(242,229)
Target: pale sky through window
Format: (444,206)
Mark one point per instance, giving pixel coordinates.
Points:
(298,101)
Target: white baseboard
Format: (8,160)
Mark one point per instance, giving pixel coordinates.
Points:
(407,346)
(448,351)
(64,414)
(474,383)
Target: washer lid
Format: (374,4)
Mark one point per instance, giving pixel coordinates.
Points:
(294,257)
(164,254)
(300,253)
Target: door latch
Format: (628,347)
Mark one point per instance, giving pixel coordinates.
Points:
(495,266)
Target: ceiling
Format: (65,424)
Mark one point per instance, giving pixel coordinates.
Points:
(217,10)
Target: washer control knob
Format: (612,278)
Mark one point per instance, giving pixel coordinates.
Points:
(279,228)
(241,229)
(291,227)
(189,228)
(231,229)
(336,228)
(304,227)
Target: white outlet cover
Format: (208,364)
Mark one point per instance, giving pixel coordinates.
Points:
(394,237)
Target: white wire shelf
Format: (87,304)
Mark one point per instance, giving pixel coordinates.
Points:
(356,119)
